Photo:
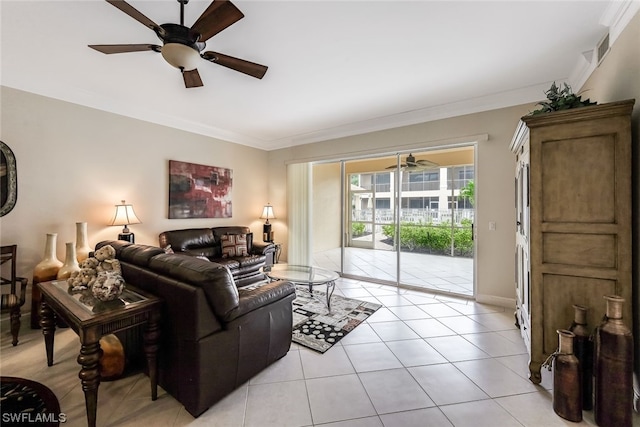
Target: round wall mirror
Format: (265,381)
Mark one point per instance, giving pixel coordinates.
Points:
(8,179)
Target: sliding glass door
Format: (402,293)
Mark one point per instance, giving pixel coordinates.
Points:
(368,251)
(407,220)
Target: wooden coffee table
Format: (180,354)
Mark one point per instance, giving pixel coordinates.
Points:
(304,275)
(91,320)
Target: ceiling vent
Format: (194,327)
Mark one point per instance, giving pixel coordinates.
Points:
(603,48)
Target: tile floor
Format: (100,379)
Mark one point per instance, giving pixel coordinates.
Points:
(421,360)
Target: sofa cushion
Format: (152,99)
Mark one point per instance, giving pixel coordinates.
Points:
(231,263)
(234,245)
(251,262)
(213,278)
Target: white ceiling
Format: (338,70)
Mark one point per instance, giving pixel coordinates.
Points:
(336,68)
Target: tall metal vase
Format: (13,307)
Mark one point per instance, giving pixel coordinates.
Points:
(583,349)
(45,270)
(567,393)
(613,369)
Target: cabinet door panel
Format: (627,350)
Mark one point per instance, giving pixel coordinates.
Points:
(560,293)
(584,250)
(578,180)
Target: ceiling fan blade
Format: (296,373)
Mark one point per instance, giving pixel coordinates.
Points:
(402,166)
(250,68)
(219,15)
(192,78)
(124,48)
(136,14)
(427,163)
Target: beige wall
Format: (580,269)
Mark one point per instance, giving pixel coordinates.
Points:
(75,163)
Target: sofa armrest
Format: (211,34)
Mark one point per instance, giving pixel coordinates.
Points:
(262,248)
(253,299)
(267,249)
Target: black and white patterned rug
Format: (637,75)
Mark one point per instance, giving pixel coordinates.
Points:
(25,402)
(317,328)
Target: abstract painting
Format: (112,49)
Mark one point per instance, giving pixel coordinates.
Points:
(199,191)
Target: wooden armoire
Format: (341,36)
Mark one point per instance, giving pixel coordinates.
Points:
(573,220)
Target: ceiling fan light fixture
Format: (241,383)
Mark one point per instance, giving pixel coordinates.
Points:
(181,56)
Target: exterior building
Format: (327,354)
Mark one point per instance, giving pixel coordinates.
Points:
(428,196)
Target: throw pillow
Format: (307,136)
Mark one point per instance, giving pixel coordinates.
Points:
(234,245)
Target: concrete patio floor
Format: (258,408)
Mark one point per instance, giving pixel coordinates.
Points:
(438,273)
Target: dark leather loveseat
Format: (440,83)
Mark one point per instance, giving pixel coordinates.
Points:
(207,242)
(214,336)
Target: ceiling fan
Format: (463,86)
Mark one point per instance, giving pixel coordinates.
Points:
(412,164)
(182,46)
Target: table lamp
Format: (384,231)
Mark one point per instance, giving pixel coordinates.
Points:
(125,216)
(267,212)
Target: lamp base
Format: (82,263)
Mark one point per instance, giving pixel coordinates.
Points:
(267,234)
(128,237)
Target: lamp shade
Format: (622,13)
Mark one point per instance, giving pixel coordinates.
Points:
(181,56)
(267,212)
(125,215)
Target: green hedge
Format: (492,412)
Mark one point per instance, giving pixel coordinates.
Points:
(357,229)
(434,239)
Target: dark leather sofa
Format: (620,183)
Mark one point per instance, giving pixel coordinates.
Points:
(214,336)
(207,242)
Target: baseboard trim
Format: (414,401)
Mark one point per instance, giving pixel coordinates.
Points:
(494,300)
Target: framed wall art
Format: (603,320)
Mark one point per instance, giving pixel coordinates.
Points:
(199,191)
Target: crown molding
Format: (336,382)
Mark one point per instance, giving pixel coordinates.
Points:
(530,94)
(616,17)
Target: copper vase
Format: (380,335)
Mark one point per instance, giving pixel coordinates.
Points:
(583,349)
(613,369)
(567,393)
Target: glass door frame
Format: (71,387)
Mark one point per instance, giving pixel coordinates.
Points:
(397,194)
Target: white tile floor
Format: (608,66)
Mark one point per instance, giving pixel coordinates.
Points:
(434,362)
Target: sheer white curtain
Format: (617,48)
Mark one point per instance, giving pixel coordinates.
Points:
(299,184)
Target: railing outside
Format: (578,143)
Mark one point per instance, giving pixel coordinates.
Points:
(414,216)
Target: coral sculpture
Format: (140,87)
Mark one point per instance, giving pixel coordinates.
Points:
(108,286)
(101,274)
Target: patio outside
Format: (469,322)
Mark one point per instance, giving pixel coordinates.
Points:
(438,273)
